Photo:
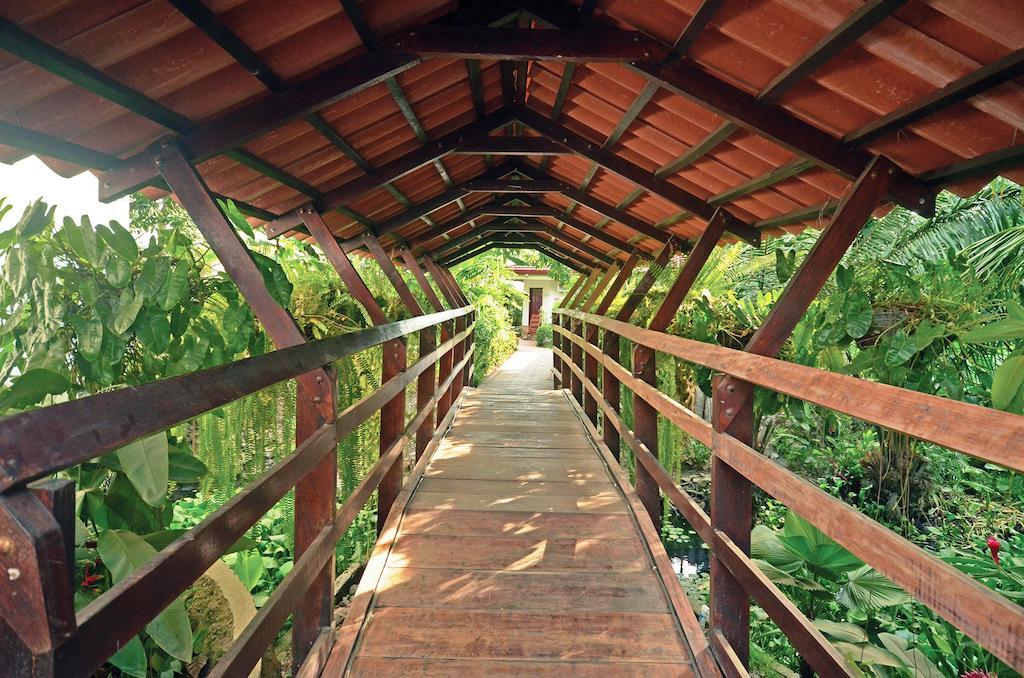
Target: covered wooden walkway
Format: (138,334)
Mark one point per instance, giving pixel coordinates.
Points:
(519,549)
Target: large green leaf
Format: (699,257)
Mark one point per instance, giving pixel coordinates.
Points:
(117,270)
(1000,330)
(766,545)
(1008,384)
(124,508)
(850,633)
(866,653)
(131,658)
(123,552)
(249,568)
(913,659)
(174,287)
(89,332)
(127,310)
(154,331)
(857,314)
(82,240)
(19,269)
(152,276)
(900,348)
(185,467)
(145,463)
(867,590)
(821,555)
(120,240)
(34,219)
(236,218)
(31,387)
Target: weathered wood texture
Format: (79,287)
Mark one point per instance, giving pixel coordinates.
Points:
(517,551)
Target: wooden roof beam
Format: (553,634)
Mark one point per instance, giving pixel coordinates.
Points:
(991,75)
(637,175)
(513,146)
(735,105)
(867,16)
(524,44)
(594,203)
(698,22)
(242,125)
(397,168)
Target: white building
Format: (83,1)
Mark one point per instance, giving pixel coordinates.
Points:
(542,294)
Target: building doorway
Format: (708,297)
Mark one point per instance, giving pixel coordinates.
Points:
(536,301)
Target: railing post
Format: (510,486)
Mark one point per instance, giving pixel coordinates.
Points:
(645,417)
(445,362)
(556,338)
(731,512)
(590,407)
(36,600)
(392,422)
(610,384)
(731,509)
(576,327)
(566,324)
(315,498)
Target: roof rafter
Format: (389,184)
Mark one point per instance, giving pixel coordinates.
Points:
(1002,70)
(867,16)
(524,44)
(643,179)
(733,104)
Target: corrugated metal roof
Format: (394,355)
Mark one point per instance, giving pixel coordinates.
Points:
(899,56)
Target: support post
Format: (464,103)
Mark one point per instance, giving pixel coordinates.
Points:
(645,417)
(427,340)
(611,387)
(392,422)
(556,338)
(445,364)
(37,600)
(731,507)
(459,350)
(315,494)
(591,336)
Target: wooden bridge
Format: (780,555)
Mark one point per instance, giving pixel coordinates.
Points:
(519,548)
(615,137)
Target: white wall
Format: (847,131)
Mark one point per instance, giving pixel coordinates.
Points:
(551,296)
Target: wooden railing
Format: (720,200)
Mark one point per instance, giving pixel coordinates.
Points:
(586,350)
(40,632)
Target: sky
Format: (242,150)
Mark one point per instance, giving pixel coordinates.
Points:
(28,179)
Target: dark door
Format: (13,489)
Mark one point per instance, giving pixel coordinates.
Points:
(536,300)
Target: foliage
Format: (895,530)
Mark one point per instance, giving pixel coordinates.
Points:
(544,334)
(495,338)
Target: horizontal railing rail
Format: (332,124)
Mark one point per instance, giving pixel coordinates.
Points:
(51,439)
(37,443)
(983,614)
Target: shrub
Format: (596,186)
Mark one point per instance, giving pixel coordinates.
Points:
(495,338)
(544,335)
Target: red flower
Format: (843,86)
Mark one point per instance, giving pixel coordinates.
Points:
(978,673)
(993,547)
(90,579)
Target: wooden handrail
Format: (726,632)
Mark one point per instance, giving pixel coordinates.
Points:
(984,615)
(250,645)
(103,626)
(37,443)
(811,644)
(981,432)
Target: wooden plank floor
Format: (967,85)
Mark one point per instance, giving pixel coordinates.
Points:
(517,552)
